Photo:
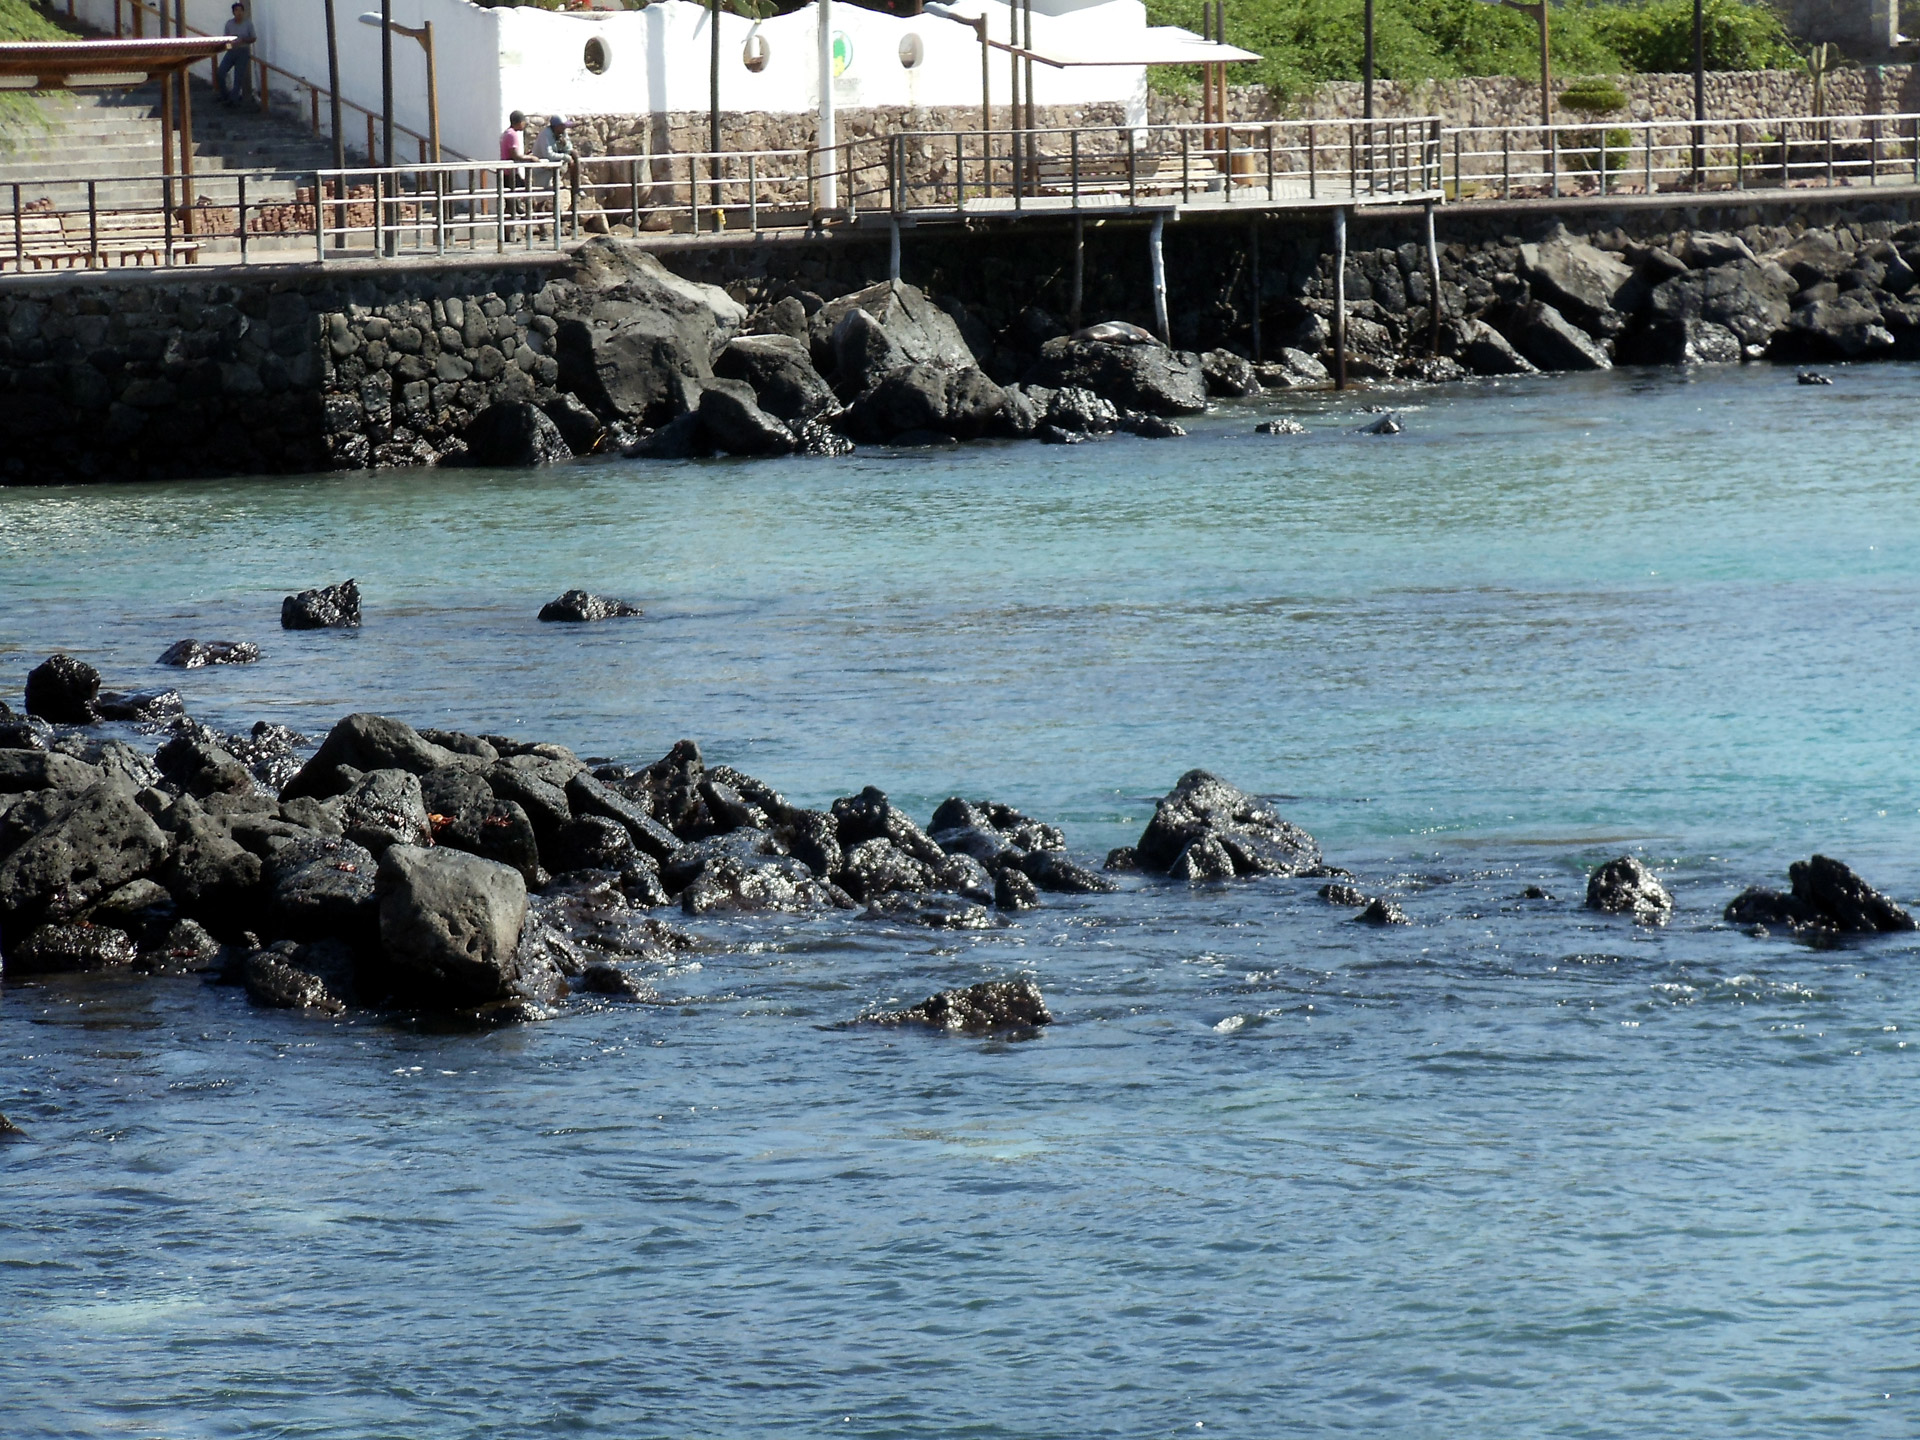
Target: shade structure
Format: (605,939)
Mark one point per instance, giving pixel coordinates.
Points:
(63,64)
(53,65)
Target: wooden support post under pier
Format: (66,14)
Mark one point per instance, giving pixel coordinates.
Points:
(1079,272)
(1433,284)
(1253,284)
(1340,298)
(1157,261)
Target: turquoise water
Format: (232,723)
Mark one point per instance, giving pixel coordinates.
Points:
(1515,1170)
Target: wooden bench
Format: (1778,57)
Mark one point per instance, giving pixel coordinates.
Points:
(46,241)
(1109,172)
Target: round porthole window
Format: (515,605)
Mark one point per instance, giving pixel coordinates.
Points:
(912,51)
(756,52)
(598,57)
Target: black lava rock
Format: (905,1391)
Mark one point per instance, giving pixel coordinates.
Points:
(332,607)
(62,690)
(978,1009)
(1624,886)
(192,654)
(578,605)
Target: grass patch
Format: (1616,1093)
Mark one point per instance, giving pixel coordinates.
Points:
(19,113)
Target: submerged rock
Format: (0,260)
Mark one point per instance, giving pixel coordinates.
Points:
(77,948)
(1624,886)
(581,607)
(1382,912)
(62,689)
(10,1131)
(978,1009)
(332,607)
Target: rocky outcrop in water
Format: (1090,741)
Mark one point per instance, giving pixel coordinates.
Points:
(62,690)
(977,1010)
(1205,829)
(580,607)
(192,654)
(1625,886)
(331,607)
(1827,899)
(459,874)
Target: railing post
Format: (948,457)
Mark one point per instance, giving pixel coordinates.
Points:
(1186,182)
(633,196)
(1649,158)
(319,221)
(166,205)
(1873,152)
(753,197)
(500,210)
(19,233)
(1828,127)
(1739,155)
(439,212)
(241,207)
(1133,169)
(1553,158)
(1313,166)
(557,242)
(93,224)
(1073,152)
(1269,162)
(1506,164)
(1458,193)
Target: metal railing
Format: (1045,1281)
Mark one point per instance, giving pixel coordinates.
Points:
(379,212)
(750,190)
(1661,157)
(461,207)
(966,172)
(139,220)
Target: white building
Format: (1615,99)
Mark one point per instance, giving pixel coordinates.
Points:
(654,61)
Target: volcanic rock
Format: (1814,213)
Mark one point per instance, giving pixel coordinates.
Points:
(332,607)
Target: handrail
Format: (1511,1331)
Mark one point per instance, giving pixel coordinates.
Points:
(315,91)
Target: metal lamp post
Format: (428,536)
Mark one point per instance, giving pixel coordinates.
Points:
(423,35)
(1366,63)
(1699,84)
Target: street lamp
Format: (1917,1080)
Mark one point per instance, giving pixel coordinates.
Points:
(423,33)
(1539,12)
(1366,64)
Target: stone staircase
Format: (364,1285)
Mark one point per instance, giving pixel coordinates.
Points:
(113,138)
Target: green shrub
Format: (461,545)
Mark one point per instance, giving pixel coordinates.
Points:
(1303,42)
(1587,98)
(1657,35)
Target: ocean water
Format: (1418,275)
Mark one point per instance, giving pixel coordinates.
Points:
(1516,1169)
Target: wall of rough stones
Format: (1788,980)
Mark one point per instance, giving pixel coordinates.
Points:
(154,374)
(1512,100)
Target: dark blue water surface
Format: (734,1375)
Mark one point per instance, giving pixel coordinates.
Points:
(1515,1170)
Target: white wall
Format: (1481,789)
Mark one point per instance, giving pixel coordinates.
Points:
(660,60)
(491,61)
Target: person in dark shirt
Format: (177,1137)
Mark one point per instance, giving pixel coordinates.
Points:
(234,74)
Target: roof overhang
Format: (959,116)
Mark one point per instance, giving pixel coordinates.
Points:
(60,64)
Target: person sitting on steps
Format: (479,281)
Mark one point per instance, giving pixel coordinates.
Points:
(239,57)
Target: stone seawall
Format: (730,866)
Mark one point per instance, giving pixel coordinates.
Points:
(156,375)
